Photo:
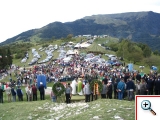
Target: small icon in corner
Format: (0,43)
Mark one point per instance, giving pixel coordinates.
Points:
(146,105)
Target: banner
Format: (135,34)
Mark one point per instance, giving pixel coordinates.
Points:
(41,78)
(130,67)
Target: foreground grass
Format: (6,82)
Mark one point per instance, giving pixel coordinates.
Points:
(46,110)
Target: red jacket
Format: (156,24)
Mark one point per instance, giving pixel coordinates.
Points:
(34,90)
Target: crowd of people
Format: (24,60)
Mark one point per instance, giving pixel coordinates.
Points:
(117,81)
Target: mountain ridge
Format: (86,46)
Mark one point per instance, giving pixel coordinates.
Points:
(138,26)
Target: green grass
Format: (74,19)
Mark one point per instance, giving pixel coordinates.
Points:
(107,40)
(44,110)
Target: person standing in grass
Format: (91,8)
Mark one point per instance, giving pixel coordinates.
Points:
(87,92)
(115,90)
(8,92)
(138,87)
(143,87)
(20,94)
(121,88)
(109,92)
(104,90)
(42,91)
(34,90)
(68,93)
(29,93)
(13,94)
(157,86)
(130,89)
(53,96)
(26,89)
(1,94)
(150,85)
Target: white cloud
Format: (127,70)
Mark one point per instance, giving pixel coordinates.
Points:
(17,16)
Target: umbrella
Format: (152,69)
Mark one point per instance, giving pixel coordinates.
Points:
(154,68)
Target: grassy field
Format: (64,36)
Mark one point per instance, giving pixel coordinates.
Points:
(46,110)
(107,40)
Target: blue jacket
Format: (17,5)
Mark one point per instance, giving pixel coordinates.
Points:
(150,84)
(121,86)
(130,85)
(19,92)
(13,92)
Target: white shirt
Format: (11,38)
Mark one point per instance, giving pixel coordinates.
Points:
(26,89)
(138,87)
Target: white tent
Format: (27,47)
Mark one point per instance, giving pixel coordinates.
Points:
(50,46)
(70,52)
(71,42)
(33,50)
(67,59)
(77,45)
(23,60)
(85,45)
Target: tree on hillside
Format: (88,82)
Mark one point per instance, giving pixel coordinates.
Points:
(3,58)
(152,61)
(123,49)
(130,51)
(68,38)
(156,52)
(146,49)
(113,46)
(9,57)
(136,55)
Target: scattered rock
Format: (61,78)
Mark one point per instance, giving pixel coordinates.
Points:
(95,117)
(128,108)
(109,110)
(30,117)
(68,114)
(57,118)
(40,108)
(99,109)
(118,117)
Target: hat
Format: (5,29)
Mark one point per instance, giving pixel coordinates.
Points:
(41,83)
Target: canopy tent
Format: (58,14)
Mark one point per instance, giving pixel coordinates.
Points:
(50,46)
(67,59)
(83,45)
(72,52)
(77,45)
(95,48)
(71,42)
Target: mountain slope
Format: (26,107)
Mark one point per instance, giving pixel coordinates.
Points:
(137,26)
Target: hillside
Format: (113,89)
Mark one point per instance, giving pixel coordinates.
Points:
(138,26)
(45,110)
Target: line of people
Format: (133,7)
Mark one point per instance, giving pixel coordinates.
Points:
(30,91)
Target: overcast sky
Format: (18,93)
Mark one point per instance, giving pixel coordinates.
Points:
(17,16)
